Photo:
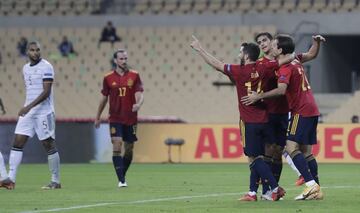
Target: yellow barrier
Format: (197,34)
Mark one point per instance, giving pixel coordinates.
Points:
(222,143)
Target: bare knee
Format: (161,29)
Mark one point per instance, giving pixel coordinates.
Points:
(306,150)
(20,141)
(278,150)
(291,147)
(129,147)
(269,149)
(49,144)
(117,144)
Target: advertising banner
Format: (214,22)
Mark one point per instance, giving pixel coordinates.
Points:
(220,143)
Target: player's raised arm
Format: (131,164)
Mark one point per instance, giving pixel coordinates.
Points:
(209,59)
(286,59)
(314,49)
(101,107)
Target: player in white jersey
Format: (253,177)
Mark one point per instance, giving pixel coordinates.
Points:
(3,172)
(37,116)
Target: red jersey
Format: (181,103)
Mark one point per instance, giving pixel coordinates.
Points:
(276,105)
(249,78)
(299,95)
(121,90)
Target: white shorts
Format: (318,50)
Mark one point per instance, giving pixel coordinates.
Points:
(42,125)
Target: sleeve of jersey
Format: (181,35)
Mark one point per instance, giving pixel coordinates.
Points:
(284,75)
(48,74)
(105,89)
(229,69)
(139,85)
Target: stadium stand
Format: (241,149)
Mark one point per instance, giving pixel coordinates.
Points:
(329,102)
(345,111)
(176,80)
(141,7)
(238,6)
(177,85)
(49,7)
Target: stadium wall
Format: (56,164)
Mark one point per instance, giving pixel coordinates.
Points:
(204,143)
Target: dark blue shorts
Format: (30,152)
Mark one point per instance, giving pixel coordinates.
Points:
(278,124)
(302,130)
(253,136)
(127,133)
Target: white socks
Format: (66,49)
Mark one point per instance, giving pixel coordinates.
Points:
(3,172)
(54,167)
(14,162)
(310,183)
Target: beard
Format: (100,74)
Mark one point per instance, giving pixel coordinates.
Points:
(124,67)
(35,57)
(242,61)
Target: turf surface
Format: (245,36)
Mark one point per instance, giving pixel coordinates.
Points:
(172,188)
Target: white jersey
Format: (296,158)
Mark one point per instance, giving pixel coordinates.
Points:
(33,76)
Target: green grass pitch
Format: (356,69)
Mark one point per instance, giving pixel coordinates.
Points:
(173,188)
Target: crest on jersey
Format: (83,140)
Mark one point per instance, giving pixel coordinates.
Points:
(254,74)
(113,130)
(282,77)
(113,83)
(130,83)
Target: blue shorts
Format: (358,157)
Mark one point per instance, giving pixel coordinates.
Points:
(302,130)
(127,133)
(278,124)
(253,136)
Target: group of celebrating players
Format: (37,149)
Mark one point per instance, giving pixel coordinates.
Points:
(269,89)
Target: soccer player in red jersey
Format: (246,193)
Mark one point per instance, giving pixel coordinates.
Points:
(248,76)
(302,128)
(278,111)
(124,89)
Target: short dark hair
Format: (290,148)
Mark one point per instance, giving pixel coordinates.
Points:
(252,50)
(32,43)
(286,43)
(266,34)
(118,51)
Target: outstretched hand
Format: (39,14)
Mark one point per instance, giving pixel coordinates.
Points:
(318,38)
(250,98)
(195,44)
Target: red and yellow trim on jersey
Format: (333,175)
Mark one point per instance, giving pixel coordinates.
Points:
(242,132)
(294,124)
(109,73)
(134,71)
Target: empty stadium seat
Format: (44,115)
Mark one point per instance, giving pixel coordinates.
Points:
(50,7)
(176,80)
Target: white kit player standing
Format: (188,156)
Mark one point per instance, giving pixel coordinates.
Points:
(37,116)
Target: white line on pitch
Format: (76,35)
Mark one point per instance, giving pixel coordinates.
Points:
(164,199)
